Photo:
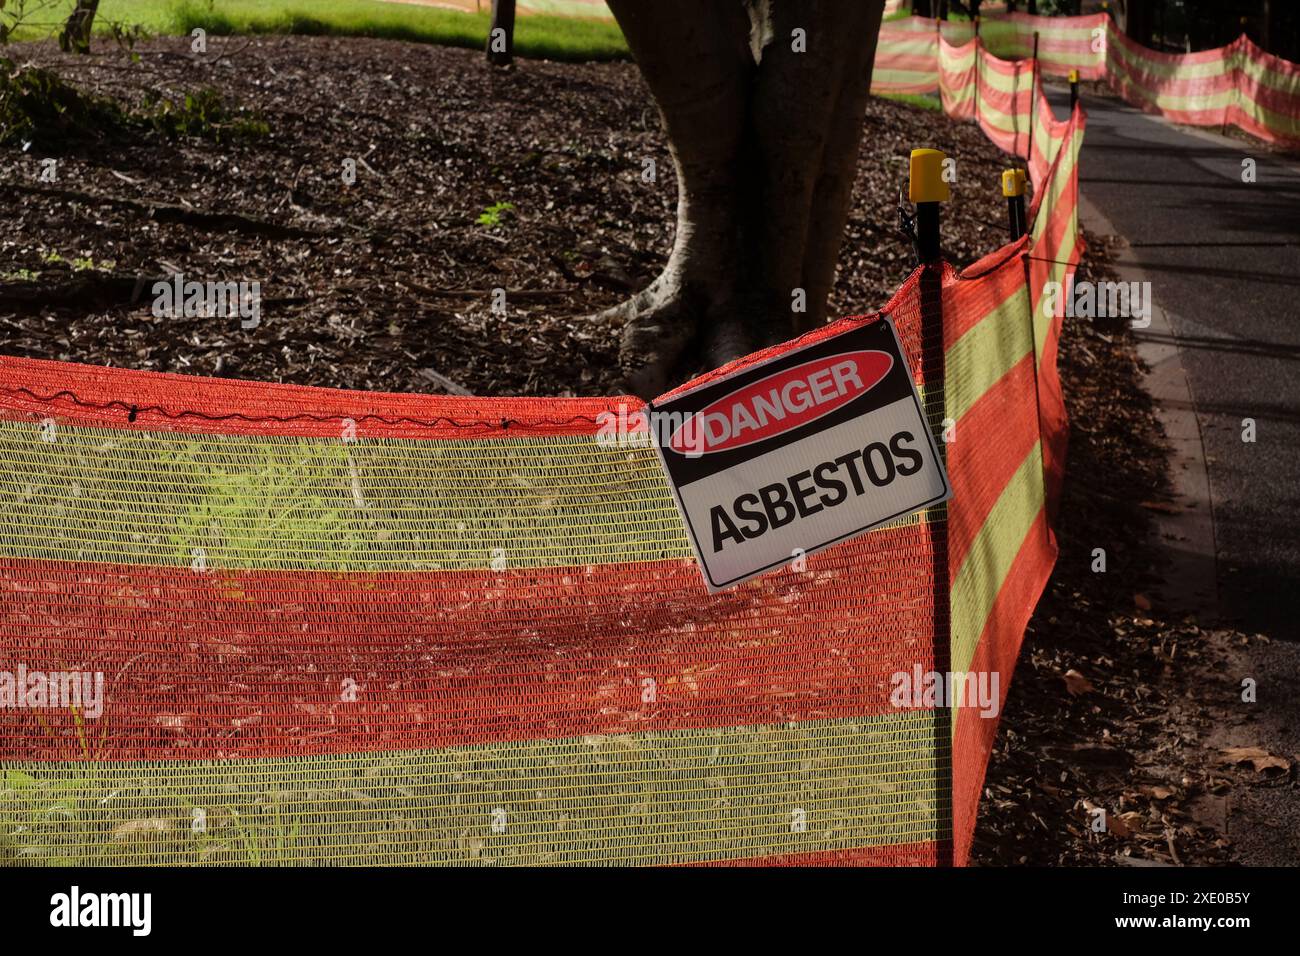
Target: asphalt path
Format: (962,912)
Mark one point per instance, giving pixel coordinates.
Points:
(1223,259)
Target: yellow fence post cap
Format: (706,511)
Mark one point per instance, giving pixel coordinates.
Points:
(1013,182)
(1074,76)
(925,176)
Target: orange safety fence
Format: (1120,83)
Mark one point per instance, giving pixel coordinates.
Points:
(248,623)
(1238,84)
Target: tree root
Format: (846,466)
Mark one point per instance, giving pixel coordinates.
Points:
(655,341)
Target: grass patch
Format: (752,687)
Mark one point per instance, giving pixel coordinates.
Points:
(546,37)
(922,101)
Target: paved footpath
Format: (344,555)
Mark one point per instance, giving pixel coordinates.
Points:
(1223,260)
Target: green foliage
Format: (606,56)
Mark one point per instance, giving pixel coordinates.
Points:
(37,106)
(202,113)
(1063,8)
(63,819)
(924,102)
(239,515)
(491,216)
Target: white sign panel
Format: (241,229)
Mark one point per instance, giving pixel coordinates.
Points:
(797,453)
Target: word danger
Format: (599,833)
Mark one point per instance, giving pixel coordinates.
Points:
(779,402)
(826,485)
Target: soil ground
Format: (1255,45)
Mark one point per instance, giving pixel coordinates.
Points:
(365,285)
(1140,688)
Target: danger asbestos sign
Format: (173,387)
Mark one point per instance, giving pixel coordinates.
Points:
(797,453)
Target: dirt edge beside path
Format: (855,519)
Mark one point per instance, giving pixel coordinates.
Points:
(1122,703)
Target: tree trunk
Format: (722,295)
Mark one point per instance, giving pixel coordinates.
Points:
(763,107)
(501,34)
(77,28)
(922,8)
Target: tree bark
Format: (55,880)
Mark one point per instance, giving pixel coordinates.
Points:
(75,36)
(764,139)
(501,46)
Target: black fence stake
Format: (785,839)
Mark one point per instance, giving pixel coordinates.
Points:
(1033,101)
(501,45)
(1013,187)
(927,188)
(1074,89)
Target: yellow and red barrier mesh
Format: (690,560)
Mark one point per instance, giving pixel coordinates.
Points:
(349,628)
(1238,84)
(1002,547)
(472,634)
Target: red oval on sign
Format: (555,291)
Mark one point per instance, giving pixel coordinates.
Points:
(780,402)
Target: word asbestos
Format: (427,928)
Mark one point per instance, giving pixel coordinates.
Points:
(75,909)
(752,514)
